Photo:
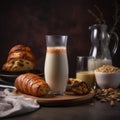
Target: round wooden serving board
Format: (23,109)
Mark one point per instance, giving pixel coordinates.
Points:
(60,100)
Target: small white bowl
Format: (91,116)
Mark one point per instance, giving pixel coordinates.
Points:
(107,80)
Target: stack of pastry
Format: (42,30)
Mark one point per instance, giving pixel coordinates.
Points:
(20,58)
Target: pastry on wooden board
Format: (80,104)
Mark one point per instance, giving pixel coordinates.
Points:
(31,84)
(77,87)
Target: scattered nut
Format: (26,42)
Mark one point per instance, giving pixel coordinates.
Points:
(108,95)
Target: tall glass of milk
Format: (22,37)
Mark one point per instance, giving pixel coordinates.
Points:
(56,63)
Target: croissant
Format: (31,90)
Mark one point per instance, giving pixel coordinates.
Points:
(31,84)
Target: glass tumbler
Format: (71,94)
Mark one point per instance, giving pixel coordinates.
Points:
(56,63)
(85,70)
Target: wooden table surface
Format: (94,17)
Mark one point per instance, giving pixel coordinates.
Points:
(92,110)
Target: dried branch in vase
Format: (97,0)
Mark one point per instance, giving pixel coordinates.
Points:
(100,19)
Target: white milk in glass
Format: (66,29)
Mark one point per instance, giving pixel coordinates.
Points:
(56,69)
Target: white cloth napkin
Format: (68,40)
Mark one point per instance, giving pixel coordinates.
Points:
(12,105)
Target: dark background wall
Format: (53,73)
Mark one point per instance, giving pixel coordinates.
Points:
(28,21)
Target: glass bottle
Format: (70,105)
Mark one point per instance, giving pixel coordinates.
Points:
(100,50)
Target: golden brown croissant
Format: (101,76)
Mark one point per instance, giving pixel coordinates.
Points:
(31,84)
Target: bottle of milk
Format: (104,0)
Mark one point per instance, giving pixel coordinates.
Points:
(56,63)
(100,50)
